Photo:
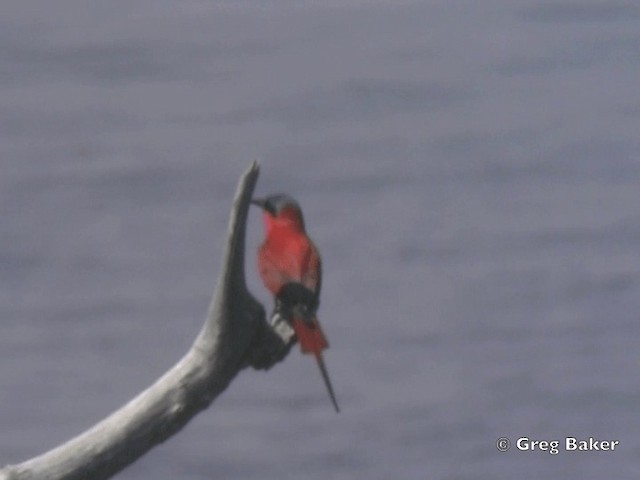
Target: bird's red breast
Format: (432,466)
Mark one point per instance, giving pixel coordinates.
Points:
(288,255)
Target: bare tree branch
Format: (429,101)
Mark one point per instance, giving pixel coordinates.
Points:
(235,335)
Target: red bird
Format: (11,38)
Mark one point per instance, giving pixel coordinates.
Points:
(290,268)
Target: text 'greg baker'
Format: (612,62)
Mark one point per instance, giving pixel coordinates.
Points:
(571,444)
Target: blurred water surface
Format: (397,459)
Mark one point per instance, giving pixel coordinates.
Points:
(470,171)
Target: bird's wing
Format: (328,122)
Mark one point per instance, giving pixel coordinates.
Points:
(312,271)
(284,263)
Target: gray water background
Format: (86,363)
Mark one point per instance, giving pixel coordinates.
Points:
(470,171)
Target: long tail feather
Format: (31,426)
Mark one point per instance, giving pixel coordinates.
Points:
(312,340)
(327,382)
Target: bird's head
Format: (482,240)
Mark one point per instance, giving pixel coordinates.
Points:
(280,210)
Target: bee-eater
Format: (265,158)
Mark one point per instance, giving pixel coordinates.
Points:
(290,268)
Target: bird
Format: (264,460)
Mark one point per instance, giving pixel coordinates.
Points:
(290,268)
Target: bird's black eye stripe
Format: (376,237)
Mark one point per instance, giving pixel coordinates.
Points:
(270,207)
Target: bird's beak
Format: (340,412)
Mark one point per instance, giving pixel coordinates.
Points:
(259,202)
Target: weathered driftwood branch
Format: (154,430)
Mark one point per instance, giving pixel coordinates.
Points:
(235,335)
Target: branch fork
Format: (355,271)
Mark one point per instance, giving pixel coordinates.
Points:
(235,335)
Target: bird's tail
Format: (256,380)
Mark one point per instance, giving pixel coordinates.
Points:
(310,335)
(312,340)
